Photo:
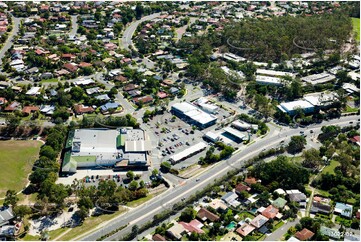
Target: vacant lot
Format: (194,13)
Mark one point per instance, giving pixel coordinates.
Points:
(16,159)
(356,27)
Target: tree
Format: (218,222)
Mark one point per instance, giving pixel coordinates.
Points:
(10,198)
(133,185)
(130,175)
(21,211)
(155,172)
(188,214)
(312,158)
(165,166)
(296,144)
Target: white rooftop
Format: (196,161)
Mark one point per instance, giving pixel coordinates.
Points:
(289,106)
(273,73)
(193,149)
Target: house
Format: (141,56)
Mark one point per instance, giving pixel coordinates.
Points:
(144,99)
(30,109)
(84,64)
(70,67)
(130,87)
(173,90)
(270,212)
(103,97)
(176,231)
(162,95)
(204,215)
(218,205)
(104,108)
(245,229)
(297,196)
(279,202)
(33,91)
(241,188)
(120,78)
(259,221)
(158,237)
(6,215)
(231,199)
(343,209)
(12,106)
(68,56)
(81,109)
(304,234)
(355,140)
(168,82)
(250,180)
(332,233)
(193,226)
(321,205)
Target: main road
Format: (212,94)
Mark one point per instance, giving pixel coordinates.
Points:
(128,33)
(146,212)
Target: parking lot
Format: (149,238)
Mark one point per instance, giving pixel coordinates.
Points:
(92,177)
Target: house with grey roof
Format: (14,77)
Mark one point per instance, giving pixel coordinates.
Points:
(6,215)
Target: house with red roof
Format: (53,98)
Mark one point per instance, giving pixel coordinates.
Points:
(144,99)
(68,56)
(242,187)
(245,229)
(162,95)
(270,212)
(250,180)
(84,64)
(304,234)
(193,226)
(205,215)
(81,109)
(70,67)
(30,109)
(355,140)
(12,106)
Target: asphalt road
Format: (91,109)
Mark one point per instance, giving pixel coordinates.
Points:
(8,43)
(128,33)
(146,212)
(74,25)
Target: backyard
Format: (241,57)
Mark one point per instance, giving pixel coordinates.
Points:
(356,27)
(16,159)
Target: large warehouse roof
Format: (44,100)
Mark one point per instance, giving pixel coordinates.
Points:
(290,106)
(318,78)
(194,113)
(274,73)
(191,150)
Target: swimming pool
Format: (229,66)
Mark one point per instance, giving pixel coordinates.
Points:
(231,225)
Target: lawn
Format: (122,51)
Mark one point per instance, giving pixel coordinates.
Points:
(331,167)
(350,110)
(356,27)
(50,80)
(140,201)
(16,159)
(343,221)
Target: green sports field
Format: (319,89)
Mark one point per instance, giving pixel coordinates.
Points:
(16,159)
(356,27)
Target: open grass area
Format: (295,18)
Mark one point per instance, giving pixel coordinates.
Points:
(356,27)
(140,201)
(350,110)
(89,223)
(277,225)
(50,80)
(16,159)
(331,167)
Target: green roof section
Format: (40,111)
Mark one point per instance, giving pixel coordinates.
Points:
(120,141)
(69,141)
(68,163)
(279,202)
(89,158)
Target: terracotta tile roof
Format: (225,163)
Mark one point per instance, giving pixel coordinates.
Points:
(204,213)
(250,180)
(29,109)
(270,212)
(12,106)
(304,234)
(70,67)
(158,237)
(80,108)
(144,99)
(245,229)
(241,187)
(191,228)
(84,64)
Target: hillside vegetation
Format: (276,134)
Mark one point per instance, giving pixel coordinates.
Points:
(277,38)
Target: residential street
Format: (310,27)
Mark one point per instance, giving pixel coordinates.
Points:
(74,25)
(9,43)
(277,235)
